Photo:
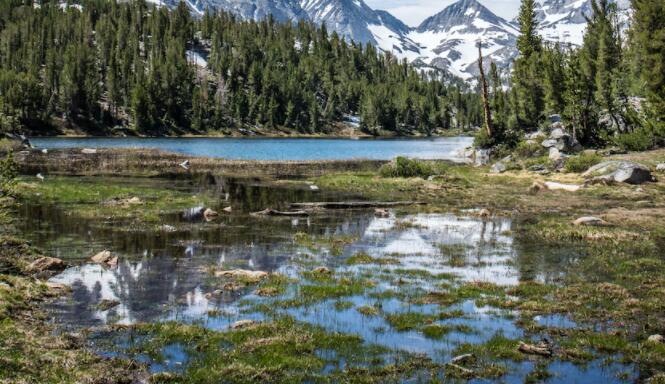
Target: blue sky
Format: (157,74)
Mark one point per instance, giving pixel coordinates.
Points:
(413,12)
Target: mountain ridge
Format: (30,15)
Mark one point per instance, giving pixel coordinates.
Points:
(446,40)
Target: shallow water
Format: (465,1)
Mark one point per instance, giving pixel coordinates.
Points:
(448,148)
(164,276)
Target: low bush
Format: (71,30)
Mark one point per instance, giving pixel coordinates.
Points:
(404,167)
(582,162)
(8,174)
(649,136)
(526,150)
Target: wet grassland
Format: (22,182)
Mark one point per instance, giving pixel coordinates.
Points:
(487,281)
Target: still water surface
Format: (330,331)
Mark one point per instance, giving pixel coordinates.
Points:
(164,276)
(448,148)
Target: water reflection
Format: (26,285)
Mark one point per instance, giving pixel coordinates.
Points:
(165,275)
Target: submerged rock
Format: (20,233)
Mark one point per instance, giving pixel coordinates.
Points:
(210,214)
(484,213)
(381,212)
(106,258)
(253,276)
(322,271)
(590,220)
(241,324)
(620,172)
(46,264)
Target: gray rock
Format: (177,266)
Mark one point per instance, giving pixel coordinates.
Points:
(482,157)
(556,118)
(555,154)
(538,168)
(565,143)
(613,123)
(620,172)
(549,143)
(535,135)
(660,167)
(499,167)
(557,133)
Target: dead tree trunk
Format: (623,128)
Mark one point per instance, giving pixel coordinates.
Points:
(483,84)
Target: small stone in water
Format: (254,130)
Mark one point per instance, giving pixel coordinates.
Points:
(658,339)
(243,324)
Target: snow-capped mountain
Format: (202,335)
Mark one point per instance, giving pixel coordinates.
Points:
(564,20)
(449,39)
(281,10)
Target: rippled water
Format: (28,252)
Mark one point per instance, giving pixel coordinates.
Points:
(164,276)
(449,148)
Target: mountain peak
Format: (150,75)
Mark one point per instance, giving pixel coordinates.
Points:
(462,12)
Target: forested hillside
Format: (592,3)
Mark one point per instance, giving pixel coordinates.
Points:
(609,91)
(103,67)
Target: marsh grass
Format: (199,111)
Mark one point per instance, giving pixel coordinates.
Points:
(282,350)
(89,197)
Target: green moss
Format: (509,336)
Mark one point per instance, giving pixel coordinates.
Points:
(498,347)
(438,331)
(407,321)
(368,310)
(364,258)
(107,197)
(282,350)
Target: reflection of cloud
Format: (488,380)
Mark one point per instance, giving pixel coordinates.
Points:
(100,284)
(487,257)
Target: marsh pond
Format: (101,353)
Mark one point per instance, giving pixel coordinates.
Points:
(402,294)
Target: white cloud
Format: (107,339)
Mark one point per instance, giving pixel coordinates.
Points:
(413,12)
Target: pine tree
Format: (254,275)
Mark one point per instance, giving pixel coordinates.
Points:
(648,37)
(527,80)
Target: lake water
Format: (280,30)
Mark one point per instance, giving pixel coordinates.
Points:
(448,148)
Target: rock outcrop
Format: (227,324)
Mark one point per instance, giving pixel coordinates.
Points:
(619,172)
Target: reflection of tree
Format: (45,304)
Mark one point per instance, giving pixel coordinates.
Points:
(538,261)
(154,266)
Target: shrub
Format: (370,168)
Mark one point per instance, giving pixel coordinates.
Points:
(482,140)
(650,135)
(526,150)
(8,174)
(404,167)
(582,162)
(641,139)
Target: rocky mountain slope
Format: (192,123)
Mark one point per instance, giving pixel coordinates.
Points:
(447,40)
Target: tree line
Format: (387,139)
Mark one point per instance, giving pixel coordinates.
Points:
(609,91)
(110,66)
